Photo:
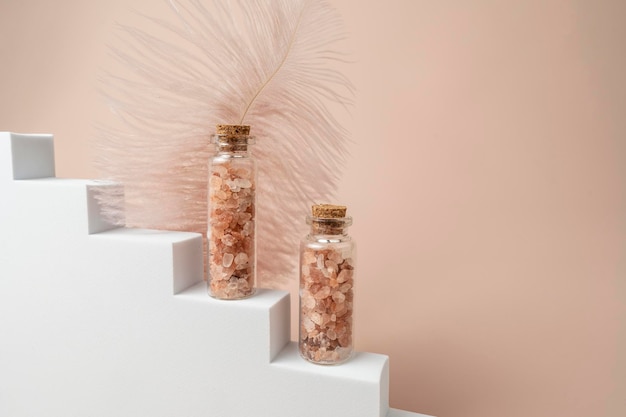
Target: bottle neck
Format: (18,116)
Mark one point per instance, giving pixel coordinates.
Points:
(325,229)
(233,150)
(235,145)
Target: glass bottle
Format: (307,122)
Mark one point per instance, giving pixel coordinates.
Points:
(232,214)
(327,260)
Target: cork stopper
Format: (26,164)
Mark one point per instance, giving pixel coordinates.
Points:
(329,211)
(232,129)
(232,138)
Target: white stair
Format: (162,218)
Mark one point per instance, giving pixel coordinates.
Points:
(103,321)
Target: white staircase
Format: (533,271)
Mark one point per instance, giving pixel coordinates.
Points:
(103,321)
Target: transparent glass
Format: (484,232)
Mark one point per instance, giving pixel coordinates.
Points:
(327,260)
(232,219)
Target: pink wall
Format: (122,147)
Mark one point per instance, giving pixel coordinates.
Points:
(487,184)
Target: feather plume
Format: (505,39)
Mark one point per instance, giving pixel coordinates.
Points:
(266,63)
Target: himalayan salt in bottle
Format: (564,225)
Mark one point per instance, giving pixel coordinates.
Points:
(231,230)
(326,287)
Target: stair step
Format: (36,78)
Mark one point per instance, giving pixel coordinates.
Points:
(97,320)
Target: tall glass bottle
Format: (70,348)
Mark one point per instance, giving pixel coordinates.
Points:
(232,215)
(327,260)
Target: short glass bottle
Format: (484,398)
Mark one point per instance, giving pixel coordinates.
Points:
(327,260)
(232,215)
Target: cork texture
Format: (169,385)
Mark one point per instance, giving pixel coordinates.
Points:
(232,129)
(329,211)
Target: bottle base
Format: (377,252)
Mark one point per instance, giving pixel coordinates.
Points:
(328,358)
(231,296)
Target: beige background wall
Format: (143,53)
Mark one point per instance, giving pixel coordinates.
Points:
(487,183)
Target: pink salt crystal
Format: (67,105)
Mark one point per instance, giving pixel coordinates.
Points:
(216,271)
(225,217)
(316,318)
(233,185)
(345,288)
(320,261)
(316,275)
(241,258)
(227,260)
(331,334)
(228,240)
(231,203)
(308,257)
(243,218)
(308,324)
(244,203)
(314,288)
(309,302)
(341,310)
(335,256)
(326,272)
(215,182)
(331,265)
(222,195)
(245,183)
(220,170)
(248,228)
(322,293)
(339,297)
(343,276)
(242,173)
